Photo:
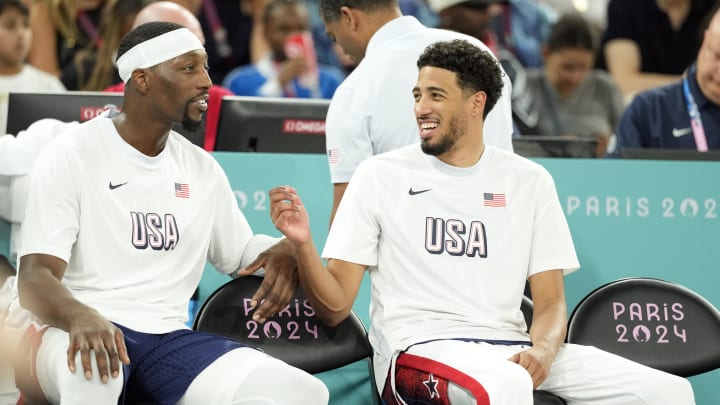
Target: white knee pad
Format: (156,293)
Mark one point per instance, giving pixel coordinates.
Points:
(246,376)
(61,386)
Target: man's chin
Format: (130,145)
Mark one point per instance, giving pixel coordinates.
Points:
(191,125)
(429,148)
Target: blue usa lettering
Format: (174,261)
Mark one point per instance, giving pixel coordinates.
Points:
(455,238)
(154,231)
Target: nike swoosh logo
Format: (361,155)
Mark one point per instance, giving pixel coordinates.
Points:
(114,186)
(416,192)
(677,133)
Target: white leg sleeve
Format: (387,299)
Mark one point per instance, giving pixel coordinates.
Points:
(248,377)
(586,375)
(63,387)
(8,393)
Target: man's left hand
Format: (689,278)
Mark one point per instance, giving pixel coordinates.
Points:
(279,283)
(536,361)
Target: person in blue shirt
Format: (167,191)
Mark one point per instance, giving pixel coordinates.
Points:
(682,115)
(279,74)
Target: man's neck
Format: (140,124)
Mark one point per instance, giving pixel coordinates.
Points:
(676,10)
(12,69)
(149,140)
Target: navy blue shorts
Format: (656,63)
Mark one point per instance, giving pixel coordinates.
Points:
(162,366)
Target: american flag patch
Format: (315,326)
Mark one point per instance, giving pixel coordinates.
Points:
(493,199)
(182,190)
(333,156)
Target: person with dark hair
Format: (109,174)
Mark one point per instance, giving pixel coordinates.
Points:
(449,231)
(174,12)
(567,97)
(684,114)
(291,68)
(122,215)
(371,112)
(15,74)
(60,28)
(92,67)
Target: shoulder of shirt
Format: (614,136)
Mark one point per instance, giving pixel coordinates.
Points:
(662,97)
(31,71)
(502,159)
(512,161)
(189,151)
(393,157)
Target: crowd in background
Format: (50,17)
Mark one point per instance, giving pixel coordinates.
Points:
(574,64)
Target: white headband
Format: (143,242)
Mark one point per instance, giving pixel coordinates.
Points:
(157,50)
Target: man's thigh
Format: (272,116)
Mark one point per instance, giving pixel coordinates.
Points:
(474,368)
(162,366)
(587,375)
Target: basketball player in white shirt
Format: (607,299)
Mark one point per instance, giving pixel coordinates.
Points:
(449,231)
(122,215)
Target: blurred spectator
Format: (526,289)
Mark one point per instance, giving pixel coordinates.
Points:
(231,34)
(682,115)
(15,74)
(93,68)
(60,28)
(474,18)
(521,28)
(594,11)
(567,96)
(172,12)
(471,17)
(280,74)
(513,27)
(639,58)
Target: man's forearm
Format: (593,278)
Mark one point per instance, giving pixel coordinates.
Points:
(44,295)
(548,327)
(325,293)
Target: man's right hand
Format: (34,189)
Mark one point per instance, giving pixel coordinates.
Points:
(92,334)
(289,215)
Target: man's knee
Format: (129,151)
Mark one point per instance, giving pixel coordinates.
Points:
(313,391)
(667,389)
(75,388)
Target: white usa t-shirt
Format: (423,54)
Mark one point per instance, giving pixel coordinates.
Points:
(449,249)
(135,230)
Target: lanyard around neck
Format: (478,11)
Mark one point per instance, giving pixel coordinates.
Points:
(88,26)
(695,120)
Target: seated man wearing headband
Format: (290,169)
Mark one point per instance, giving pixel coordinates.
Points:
(122,215)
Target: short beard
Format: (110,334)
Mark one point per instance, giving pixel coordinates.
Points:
(190,125)
(448,142)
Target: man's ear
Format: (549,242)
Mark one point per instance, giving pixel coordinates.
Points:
(349,16)
(478,103)
(140,79)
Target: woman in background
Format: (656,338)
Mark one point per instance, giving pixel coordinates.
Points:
(567,97)
(93,67)
(60,28)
